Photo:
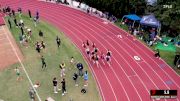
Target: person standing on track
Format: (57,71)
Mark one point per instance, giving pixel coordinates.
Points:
(43,62)
(63,82)
(58,41)
(29,12)
(9,23)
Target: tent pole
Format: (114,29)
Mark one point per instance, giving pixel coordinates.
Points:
(133,24)
(159,30)
(122,19)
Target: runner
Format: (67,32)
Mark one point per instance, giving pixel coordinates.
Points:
(43,62)
(93,45)
(58,40)
(63,87)
(93,58)
(84,45)
(87,43)
(96,60)
(102,57)
(95,49)
(108,59)
(88,52)
(109,53)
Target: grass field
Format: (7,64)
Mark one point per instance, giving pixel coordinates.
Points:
(168,56)
(12,90)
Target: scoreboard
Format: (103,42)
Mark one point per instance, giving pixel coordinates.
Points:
(163,94)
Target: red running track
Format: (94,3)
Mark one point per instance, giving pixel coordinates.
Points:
(126,79)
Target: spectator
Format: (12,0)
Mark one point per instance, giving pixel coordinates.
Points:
(15,22)
(29,12)
(43,62)
(63,87)
(75,77)
(80,68)
(85,78)
(58,40)
(13,13)
(32,94)
(9,23)
(62,67)
(41,33)
(38,47)
(157,55)
(55,84)
(35,21)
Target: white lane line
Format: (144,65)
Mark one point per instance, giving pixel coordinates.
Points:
(15,51)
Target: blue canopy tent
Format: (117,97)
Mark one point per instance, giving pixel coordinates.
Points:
(133,17)
(151,21)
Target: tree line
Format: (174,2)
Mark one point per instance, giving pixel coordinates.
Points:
(167,11)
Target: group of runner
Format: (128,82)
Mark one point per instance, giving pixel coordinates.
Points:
(94,55)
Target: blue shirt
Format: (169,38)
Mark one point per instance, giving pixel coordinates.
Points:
(86,76)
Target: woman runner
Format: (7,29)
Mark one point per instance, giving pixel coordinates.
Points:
(108,60)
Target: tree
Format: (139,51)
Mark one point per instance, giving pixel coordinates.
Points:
(169,14)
